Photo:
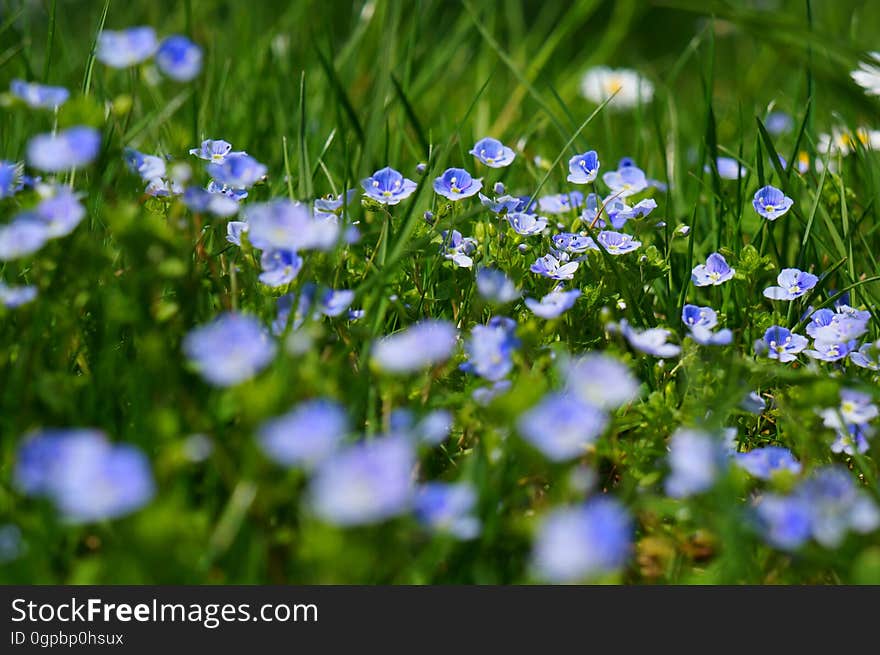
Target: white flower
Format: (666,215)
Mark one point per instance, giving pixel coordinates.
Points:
(844,142)
(600,83)
(868,75)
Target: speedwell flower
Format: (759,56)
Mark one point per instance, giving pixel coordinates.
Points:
(652,341)
(617,243)
(783,344)
(584,168)
(793,283)
(448,508)
(600,380)
(231,349)
(24,236)
(490,348)
(457,248)
(39,96)
(696,459)
(572,243)
(764,462)
(561,203)
(771,203)
(306,435)
(494,286)
(526,224)
(179,58)
(714,272)
(70,148)
(456,184)
(415,348)
(127,47)
(388,187)
(493,153)
(562,427)
(554,304)
(280,267)
(550,266)
(237,170)
(12,297)
(626,181)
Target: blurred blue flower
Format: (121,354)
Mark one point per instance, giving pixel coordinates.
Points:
(332,204)
(490,349)
(836,505)
(485,395)
(493,153)
(238,170)
(868,356)
(148,167)
(562,427)
(10,178)
(617,243)
(753,403)
(458,249)
(16,296)
(388,186)
(448,508)
(306,435)
(179,58)
(214,150)
(365,483)
(70,148)
(696,459)
(601,380)
(550,266)
(793,283)
(855,407)
(778,122)
(335,301)
(59,210)
(286,225)
(234,231)
(839,327)
(764,462)
(526,224)
(24,236)
(554,304)
(714,272)
(229,350)
(700,321)
(560,203)
(652,341)
(728,168)
(415,348)
(127,47)
(456,184)
(626,181)
(783,344)
(39,96)
(771,203)
(852,440)
(583,542)
(495,287)
(784,521)
(280,267)
(86,477)
(572,243)
(284,305)
(200,201)
(584,168)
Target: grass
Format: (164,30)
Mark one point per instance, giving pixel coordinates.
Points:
(324,93)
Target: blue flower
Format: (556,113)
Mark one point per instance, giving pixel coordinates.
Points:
(562,427)
(284,305)
(837,327)
(494,286)
(415,348)
(458,249)
(584,168)
(852,440)
(13,297)
(238,170)
(729,168)
(561,203)
(714,272)
(583,542)
(572,243)
(330,204)
(229,350)
(24,236)
(214,150)
(59,210)
(836,506)
(457,183)
(700,322)
(868,356)
(616,243)
(778,122)
(508,204)
(764,462)
(70,148)
(149,167)
(492,153)
(365,483)
(10,178)
(39,96)
(127,47)
(306,435)
(179,58)
(830,352)
(696,459)
(793,283)
(335,301)
(490,349)
(388,187)
(448,508)
(554,304)
(200,200)
(753,403)
(651,341)
(234,231)
(783,344)
(526,224)
(785,522)
(626,181)
(600,380)
(286,225)
(280,267)
(87,478)
(771,203)
(550,266)
(855,408)
(485,395)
